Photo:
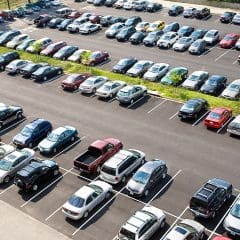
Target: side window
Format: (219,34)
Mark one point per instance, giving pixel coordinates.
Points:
(89,200)
(95,195)
(124,166)
(145,228)
(131,160)
(21,159)
(190,236)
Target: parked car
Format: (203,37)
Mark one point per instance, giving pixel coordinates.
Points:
(186,229)
(74,15)
(139,68)
(237,45)
(167,40)
(77,55)
(57,139)
(25,44)
(137,37)
(124,64)
(131,93)
(105,21)
(152,38)
(96,155)
(91,84)
(110,89)
(130,4)
(15,66)
(185,31)
(35,174)
(63,12)
(214,85)
(236,19)
(141,5)
(125,33)
(182,44)
(88,28)
(8,36)
(229,40)
(54,22)
(75,26)
(202,13)
(142,26)
(197,47)
(7,15)
(64,24)
(189,12)
(6,58)
(233,127)
(51,49)
(82,202)
(17,40)
(171,27)
(175,10)
(175,76)
(133,21)
(195,80)
(110,3)
(232,91)
(42,20)
(5,149)
(31,68)
(154,26)
(39,45)
(147,177)
(143,224)
(46,72)
(98,2)
(112,31)
(96,57)
(156,71)
(212,37)
(119,3)
(153,7)
(33,133)
(210,197)
(193,108)
(65,52)
(221,238)
(198,33)
(227,17)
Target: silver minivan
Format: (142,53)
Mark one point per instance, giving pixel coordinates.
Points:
(63,12)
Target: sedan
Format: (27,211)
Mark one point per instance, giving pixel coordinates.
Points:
(17,40)
(152,38)
(114,30)
(189,12)
(96,57)
(167,40)
(137,37)
(237,45)
(218,117)
(232,91)
(5,149)
(153,7)
(171,27)
(110,89)
(157,25)
(47,72)
(193,108)
(185,31)
(234,126)
(182,44)
(91,84)
(130,93)
(25,44)
(77,55)
(175,10)
(31,68)
(142,26)
(74,15)
(236,19)
(16,65)
(139,68)
(175,76)
(51,49)
(88,28)
(65,52)
(229,40)
(63,25)
(82,202)
(124,64)
(212,37)
(198,33)
(54,22)
(214,85)
(197,47)
(156,72)
(57,139)
(195,80)
(125,33)
(73,81)
(227,17)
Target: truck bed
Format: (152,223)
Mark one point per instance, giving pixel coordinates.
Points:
(86,159)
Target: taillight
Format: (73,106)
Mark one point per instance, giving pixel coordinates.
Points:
(117,178)
(27,185)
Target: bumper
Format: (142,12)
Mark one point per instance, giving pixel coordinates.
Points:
(71,216)
(102,95)
(108,180)
(199,214)
(185,116)
(82,90)
(234,132)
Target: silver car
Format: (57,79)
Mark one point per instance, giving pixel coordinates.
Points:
(195,80)
(89,27)
(167,40)
(13,162)
(197,47)
(156,72)
(139,68)
(212,37)
(234,126)
(16,65)
(5,149)
(183,44)
(110,89)
(91,84)
(232,91)
(17,40)
(236,19)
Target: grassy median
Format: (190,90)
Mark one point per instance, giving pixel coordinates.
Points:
(176,93)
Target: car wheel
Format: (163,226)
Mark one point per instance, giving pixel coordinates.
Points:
(164,175)
(72,139)
(99,169)
(1,125)
(45,78)
(107,196)
(94,90)
(19,115)
(86,214)
(123,179)
(168,46)
(55,172)
(54,150)
(60,72)
(146,193)
(144,94)
(142,161)
(30,145)
(6,179)
(195,116)
(132,101)
(111,95)
(213,214)
(202,235)
(2,68)
(162,223)
(75,87)
(35,187)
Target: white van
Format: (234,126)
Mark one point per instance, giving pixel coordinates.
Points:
(63,12)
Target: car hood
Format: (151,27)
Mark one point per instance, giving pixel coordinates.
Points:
(150,74)
(180,45)
(134,70)
(135,186)
(189,83)
(20,138)
(232,221)
(208,88)
(84,84)
(229,93)
(70,207)
(46,143)
(166,80)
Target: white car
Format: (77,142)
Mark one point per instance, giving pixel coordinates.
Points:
(16,65)
(232,91)
(5,149)
(233,127)
(88,27)
(130,4)
(211,37)
(13,162)
(110,89)
(167,40)
(76,25)
(142,224)
(17,40)
(56,3)
(119,3)
(82,202)
(236,19)
(186,230)
(183,43)
(142,26)
(156,72)
(195,80)
(91,84)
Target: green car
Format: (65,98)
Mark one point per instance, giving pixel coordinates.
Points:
(175,76)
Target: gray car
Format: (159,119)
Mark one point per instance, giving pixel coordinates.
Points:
(232,91)
(114,30)
(156,72)
(16,65)
(91,84)
(195,80)
(147,177)
(182,44)
(139,68)
(234,126)
(197,47)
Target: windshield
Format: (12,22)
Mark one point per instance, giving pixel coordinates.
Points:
(155,69)
(5,165)
(27,132)
(141,177)
(106,88)
(72,78)
(122,62)
(228,38)
(211,82)
(76,201)
(188,106)
(124,233)
(123,93)
(89,82)
(53,137)
(235,211)
(215,115)
(193,78)
(183,40)
(138,66)
(210,34)
(234,87)
(29,66)
(167,37)
(40,71)
(114,27)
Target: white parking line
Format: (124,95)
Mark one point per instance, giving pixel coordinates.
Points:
(173,116)
(13,125)
(199,119)
(157,106)
(226,52)
(136,102)
(111,100)
(46,219)
(5,190)
(234,62)
(37,194)
(225,124)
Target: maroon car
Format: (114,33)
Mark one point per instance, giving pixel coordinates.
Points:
(74,15)
(96,58)
(51,49)
(73,81)
(95,19)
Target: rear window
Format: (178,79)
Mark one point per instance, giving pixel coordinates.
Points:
(95,151)
(124,233)
(195,202)
(109,170)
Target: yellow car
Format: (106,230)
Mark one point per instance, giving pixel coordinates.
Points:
(154,26)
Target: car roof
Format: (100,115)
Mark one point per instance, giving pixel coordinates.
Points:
(84,192)
(199,73)
(14,155)
(120,156)
(236,119)
(219,110)
(35,123)
(150,166)
(237,81)
(59,130)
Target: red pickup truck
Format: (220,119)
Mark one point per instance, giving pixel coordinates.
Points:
(98,152)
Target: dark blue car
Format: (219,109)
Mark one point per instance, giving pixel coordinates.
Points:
(33,133)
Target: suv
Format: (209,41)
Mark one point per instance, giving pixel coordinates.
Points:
(33,133)
(6,58)
(147,177)
(210,197)
(122,164)
(202,13)
(42,20)
(143,224)
(36,173)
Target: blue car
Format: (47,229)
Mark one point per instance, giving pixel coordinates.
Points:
(57,139)
(33,133)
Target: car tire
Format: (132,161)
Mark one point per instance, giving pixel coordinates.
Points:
(146,193)
(202,236)
(144,94)
(45,78)
(111,95)
(195,116)
(55,172)
(132,101)
(30,145)
(98,169)
(35,187)
(213,214)
(1,125)
(94,90)
(162,225)
(168,46)
(86,214)
(2,68)
(164,175)
(54,150)
(73,139)
(60,71)
(107,196)
(6,179)
(19,115)
(123,179)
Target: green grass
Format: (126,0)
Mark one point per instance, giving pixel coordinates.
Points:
(165,91)
(13,4)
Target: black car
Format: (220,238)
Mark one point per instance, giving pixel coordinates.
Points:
(42,20)
(210,198)
(133,21)
(117,20)
(125,33)
(105,20)
(36,173)
(47,72)
(153,7)
(202,13)
(8,36)
(175,10)
(227,17)
(137,37)
(214,85)
(9,113)
(193,108)
(152,38)
(198,33)
(54,22)
(31,68)
(109,3)
(65,52)
(98,2)
(113,30)
(6,58)
(185,31)
(171,27)
(63,25)
(124,64)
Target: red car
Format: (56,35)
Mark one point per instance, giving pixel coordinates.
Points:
(221,238)
(96,58)
(218,117)
(51,49)
(95,19)
(74,15)
(229,40)
(73,81)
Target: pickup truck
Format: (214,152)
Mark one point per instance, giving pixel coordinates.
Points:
(98,152)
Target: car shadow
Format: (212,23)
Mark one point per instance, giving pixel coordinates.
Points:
(4,186)
(42,82)
(161,231)
(139,103)
(10,126)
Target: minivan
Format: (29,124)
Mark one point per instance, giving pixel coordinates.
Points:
(63,12)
